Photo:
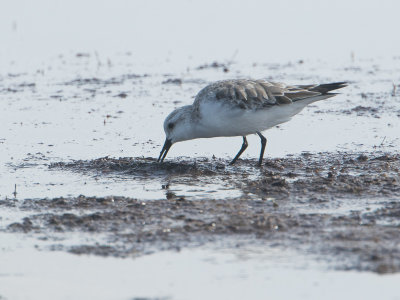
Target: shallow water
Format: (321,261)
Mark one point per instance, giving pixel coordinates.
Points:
(84,118)
(237,274)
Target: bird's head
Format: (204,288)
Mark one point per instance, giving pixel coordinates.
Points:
(177,127)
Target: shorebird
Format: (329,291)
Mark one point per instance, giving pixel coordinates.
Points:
(241,107)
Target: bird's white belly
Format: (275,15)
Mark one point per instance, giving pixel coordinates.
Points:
(223,120)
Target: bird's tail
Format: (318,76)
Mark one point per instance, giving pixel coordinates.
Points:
(325,89)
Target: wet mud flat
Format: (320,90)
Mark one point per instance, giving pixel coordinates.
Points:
(338,207)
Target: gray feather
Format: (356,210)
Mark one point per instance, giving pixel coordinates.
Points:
(258,94)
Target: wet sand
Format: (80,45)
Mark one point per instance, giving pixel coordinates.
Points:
(338,207)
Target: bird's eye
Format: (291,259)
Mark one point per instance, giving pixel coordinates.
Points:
(171,125)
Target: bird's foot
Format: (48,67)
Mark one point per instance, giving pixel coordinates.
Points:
(232,162)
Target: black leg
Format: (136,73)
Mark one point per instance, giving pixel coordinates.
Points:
(244,146)
(263,143)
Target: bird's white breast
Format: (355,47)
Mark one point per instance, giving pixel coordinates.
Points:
(219,119)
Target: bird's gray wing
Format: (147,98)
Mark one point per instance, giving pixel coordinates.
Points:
(254,94)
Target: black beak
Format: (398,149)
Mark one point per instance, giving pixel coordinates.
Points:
(164,150)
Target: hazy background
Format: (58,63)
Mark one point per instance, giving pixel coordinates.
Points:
(32,31)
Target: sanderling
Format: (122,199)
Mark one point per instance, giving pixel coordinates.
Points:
(239,108)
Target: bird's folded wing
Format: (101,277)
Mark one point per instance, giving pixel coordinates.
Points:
(254,94)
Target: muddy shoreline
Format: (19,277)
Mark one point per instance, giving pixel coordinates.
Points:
(339,207)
